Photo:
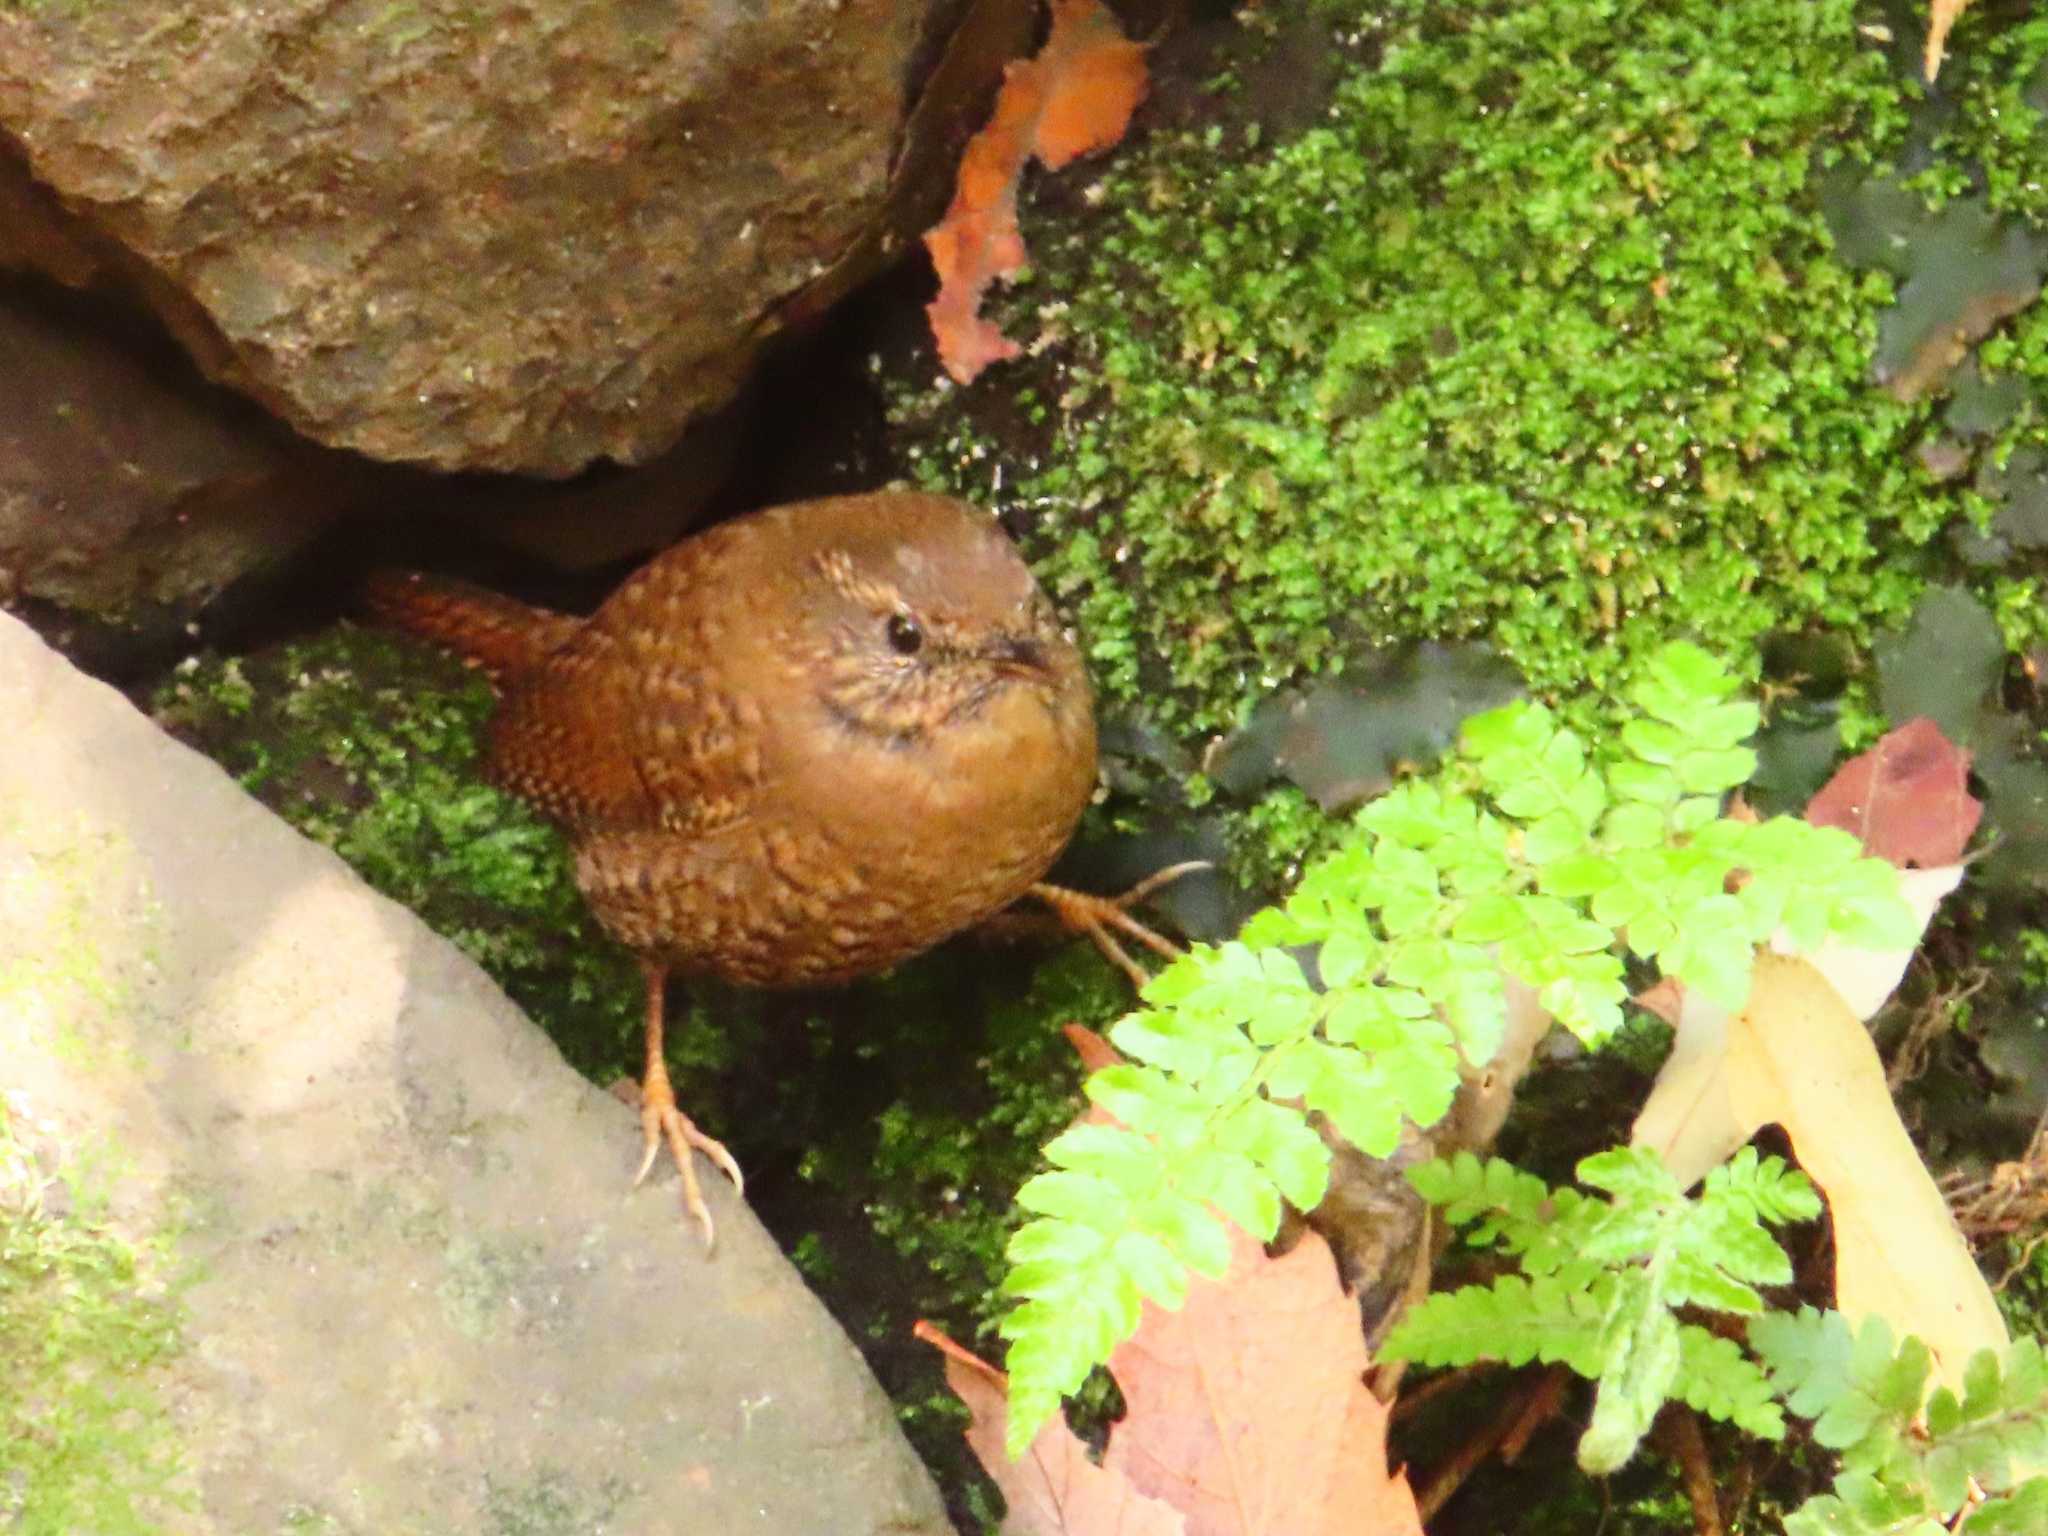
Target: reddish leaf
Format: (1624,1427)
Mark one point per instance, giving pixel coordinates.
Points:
(1663,997)
(1907,798)
(1054,1490)
(1074,98)
(1248,1408)
(1248,1414)
(1094,1051)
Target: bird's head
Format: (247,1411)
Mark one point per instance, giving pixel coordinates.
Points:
(920,622)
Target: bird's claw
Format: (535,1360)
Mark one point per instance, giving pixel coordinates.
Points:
(662,1123)
(1095,916)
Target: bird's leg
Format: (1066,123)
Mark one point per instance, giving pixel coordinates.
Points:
(661,1121)
(1095,916)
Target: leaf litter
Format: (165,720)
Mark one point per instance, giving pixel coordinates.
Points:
(1798,1055)
(1248,1413)
(1074,98)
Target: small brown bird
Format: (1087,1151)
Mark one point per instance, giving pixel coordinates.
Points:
(792,750)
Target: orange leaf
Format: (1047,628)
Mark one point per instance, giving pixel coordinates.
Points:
(1094,1051)
(1075,98)
(1248,1408)
(1248,1414)
(1054,1489)
(1941,16)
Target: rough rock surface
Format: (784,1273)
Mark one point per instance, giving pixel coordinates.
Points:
(507,237)
(133,492)
(130,489)
(426,1299)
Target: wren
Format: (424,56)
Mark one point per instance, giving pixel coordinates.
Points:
(792,750)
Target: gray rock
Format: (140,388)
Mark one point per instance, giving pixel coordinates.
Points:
(133,493)
(515,239)
(129,489)
(426,1300)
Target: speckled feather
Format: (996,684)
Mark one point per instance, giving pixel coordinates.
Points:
(758,781)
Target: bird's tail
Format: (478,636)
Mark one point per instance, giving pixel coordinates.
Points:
(502,635)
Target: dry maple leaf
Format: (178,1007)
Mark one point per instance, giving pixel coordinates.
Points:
(1053,1489)
(1074,98)
(1941,16)
(1908,798)
(1247,1414)
(1247,1411)
(1248,1408)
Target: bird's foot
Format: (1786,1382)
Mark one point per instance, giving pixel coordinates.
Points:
(1101,918)
(661,1122)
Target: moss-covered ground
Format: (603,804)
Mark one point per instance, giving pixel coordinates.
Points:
(1539,335)
(86,1444)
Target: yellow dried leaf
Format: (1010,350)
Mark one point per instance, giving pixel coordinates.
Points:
(1798,1057)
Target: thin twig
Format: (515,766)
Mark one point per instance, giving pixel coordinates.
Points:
(1677,1434)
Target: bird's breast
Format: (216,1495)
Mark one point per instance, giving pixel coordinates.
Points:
(861,853)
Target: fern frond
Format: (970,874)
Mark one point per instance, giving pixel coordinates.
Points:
(1634,1256)
(1532,856)
(1718,1379)
(1513,1320)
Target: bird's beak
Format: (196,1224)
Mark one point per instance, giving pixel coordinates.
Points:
(1020,656)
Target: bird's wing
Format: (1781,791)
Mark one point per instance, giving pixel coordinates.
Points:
(625,728)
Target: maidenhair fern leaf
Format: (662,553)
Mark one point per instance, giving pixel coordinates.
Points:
(1718,1379)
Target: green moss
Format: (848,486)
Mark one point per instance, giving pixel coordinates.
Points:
(956,1075)
(921,1109)
(551,1503)
(86,1317)
(369,745)
(1994,133)
(482,1278)
(1539,338)
(65,981)
(2021,610)
(949,1167)
(1277,835)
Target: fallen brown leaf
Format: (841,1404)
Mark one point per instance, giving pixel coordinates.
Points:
(1247,1414)
(1797,1056)
(1907,799)
(1249,1410)
(1941,16)
(1053,1489)
(1074,98)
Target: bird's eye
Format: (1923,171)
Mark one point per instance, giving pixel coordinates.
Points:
(905,638)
